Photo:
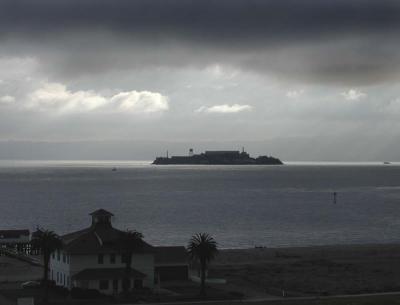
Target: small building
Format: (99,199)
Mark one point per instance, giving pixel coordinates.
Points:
(18,240)
(171,264)
(230,153)
(92,259)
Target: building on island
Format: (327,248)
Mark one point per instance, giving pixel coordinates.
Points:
(218,157)
(92,259)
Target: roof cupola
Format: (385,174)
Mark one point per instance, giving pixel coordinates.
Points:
(101,216)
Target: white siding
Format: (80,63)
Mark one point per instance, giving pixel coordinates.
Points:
(76,263)
(62,268)
(80,262)
(141,262)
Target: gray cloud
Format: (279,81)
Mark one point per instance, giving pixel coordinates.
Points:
(208,19)
(311,40)
(265,72)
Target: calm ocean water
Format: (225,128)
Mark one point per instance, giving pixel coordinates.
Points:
(241,206)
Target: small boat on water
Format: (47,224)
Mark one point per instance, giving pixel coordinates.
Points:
(114,169)
(386,162)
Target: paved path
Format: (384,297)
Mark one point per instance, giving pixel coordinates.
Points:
(262,301)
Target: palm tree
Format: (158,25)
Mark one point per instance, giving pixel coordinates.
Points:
(202,248)
(131,241)
(47,242)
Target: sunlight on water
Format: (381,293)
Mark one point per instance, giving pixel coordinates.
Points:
(241,206)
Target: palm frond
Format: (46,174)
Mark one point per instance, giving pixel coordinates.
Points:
(202,247)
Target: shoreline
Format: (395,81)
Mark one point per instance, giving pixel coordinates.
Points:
(128,162)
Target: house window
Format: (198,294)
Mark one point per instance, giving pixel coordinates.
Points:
(124,258)
(67,259)
(58,255)
(103,284)
(58,276)
(64,280)
(112,259)
(64,258)
(100,258)
(68,281)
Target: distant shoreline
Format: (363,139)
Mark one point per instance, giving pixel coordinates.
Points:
(130,163)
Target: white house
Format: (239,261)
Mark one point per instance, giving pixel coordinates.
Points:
(92,258)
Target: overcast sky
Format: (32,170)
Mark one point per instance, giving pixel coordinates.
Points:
(310,79)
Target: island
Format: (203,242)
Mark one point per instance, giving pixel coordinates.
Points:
(218,157)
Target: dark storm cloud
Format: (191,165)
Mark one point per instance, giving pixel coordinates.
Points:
(311,39)
(210,20)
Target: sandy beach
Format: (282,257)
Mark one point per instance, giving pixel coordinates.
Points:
(322,270)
